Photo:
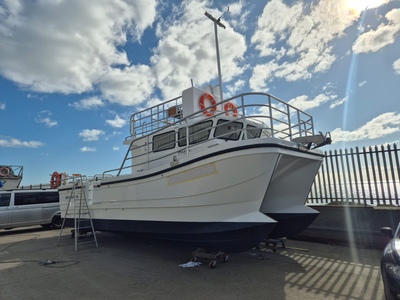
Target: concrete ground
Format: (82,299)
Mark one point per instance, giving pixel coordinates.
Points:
(125,267)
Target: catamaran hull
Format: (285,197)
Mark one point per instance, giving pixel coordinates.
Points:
(228,237)
(291,224)
(288,191)
(201,203)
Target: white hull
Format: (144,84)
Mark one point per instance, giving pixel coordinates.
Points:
(288,191)
(218,185)
(10,183)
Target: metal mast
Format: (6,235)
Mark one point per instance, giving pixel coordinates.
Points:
(217,22)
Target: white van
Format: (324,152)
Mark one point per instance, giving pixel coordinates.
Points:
(20,208)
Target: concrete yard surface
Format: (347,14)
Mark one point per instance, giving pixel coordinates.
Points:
(127,267)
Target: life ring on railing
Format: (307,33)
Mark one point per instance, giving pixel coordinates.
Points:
(55,180)
(230,105)
(203,106)
(4,172)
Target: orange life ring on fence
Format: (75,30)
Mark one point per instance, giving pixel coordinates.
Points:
(230,105)
(4,172)
(203,106)
(55,180)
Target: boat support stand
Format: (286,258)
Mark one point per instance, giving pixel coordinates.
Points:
(274,243)
(207,254)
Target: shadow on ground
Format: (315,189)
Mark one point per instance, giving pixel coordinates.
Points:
(129,267)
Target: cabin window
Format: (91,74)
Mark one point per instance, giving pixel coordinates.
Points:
(229,131)
(193,136)
(253,132)
(164,141)
(35,198)
(5,199)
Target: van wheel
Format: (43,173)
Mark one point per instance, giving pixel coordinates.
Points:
(56,222)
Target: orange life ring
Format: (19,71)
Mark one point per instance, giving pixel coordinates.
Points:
(230,105)
(203,106)
(55,180)
(4,172)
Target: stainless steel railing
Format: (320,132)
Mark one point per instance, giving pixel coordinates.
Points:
(274,117)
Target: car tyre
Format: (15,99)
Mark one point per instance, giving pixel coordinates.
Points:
(56,222)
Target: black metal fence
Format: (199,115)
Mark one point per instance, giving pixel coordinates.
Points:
(367,177)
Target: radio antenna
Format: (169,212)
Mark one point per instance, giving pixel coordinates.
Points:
(217,22)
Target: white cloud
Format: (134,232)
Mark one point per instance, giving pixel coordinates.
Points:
(396,66)
(29,96)
(2,106)
(338,102)
(362,83)
(303,103)
(236,10)
(44,117)
(329,85)
(231,90)
(88,149)
(186,49)
(129,86)
(262,74)
(115,148)
(117,122)
(88,103)
(113,134)
(380,126)
(15,143)
(91,134)
(307,32)
(373,41)
(69,46)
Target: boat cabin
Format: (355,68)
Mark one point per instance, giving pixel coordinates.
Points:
(198,120)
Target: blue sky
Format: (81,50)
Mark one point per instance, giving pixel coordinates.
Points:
(72,72)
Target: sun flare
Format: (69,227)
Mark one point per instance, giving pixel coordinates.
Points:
(361,5)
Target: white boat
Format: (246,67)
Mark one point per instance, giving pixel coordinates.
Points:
(215,174)
(10,177)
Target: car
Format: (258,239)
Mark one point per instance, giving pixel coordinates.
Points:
(20,208)
(390,264)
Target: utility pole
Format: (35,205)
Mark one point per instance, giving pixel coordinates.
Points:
(217,22)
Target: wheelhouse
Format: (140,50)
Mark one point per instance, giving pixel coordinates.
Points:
(183,126)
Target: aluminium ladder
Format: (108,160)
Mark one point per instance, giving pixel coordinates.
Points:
(83,222)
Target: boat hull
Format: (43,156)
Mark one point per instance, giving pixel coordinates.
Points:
(10,183)
(291,224)
(201,203)
(220,200)
(287,193)
(229,237)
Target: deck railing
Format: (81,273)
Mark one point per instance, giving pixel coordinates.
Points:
(284,120)
(370,176)
(275,117)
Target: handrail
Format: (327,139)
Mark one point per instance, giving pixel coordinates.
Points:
(285,122)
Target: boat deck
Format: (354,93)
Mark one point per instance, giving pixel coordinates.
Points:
(127,267)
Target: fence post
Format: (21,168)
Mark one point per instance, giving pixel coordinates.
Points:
(338,173)
(396,156)
(323,177)
(393,174)
(361,177)
(368,176)
(378,164)
(386,174)
(355,175)
(333,176)
(349,176)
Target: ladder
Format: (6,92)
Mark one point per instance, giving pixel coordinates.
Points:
(83,223)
